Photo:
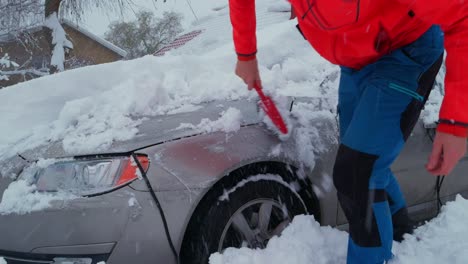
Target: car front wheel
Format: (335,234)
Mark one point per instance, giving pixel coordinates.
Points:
(240,212)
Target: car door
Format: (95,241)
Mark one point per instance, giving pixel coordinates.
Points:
(418,186)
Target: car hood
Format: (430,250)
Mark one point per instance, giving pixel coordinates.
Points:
(153,130)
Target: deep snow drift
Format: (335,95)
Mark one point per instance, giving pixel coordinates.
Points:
(442,240)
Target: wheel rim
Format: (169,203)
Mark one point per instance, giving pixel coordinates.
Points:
(254,224)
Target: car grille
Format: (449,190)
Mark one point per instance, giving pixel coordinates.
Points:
(10,260)
(28,258)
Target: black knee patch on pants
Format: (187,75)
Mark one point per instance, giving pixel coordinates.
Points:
(352,171)
(410,117)
(351,175)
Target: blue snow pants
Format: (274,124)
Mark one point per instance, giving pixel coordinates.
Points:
(379,106)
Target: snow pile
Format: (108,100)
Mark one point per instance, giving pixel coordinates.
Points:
(442,240)
(87,109)
(313,128)
(430,113)
(229,121)
(303,242)
(316,131)
(21,198)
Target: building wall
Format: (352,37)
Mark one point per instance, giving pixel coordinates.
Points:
(88,49)
(34,56)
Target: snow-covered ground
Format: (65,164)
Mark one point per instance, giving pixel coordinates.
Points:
(442,240)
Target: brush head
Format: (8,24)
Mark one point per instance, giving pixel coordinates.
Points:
(269,106)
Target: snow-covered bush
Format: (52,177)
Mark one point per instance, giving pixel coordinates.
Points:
(6,66)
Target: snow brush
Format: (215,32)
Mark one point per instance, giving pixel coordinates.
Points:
(271,110)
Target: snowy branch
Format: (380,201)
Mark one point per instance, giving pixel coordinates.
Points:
(17,15)
(59,41)
(30,71)
(6,63)
(10,68)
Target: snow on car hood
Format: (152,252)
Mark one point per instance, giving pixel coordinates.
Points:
(89,109)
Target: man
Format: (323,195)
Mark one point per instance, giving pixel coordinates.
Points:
(390,52)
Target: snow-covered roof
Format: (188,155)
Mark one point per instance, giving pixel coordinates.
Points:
(214,30)
(178,42)
(4,36)
(94,37)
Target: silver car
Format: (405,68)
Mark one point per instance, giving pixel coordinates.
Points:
(174,195)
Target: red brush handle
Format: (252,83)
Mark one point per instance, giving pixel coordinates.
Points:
(271,110)
(260,92)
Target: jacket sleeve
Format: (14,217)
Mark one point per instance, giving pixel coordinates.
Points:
(243,22)
(452,16)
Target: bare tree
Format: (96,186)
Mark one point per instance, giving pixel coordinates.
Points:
(16,15)
(147,34)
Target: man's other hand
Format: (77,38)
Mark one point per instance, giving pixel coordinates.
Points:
(248,72)
(446,152)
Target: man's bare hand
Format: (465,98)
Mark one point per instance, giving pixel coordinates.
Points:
(248,72)
(446,152)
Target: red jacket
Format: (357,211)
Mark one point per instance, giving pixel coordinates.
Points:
(355,33)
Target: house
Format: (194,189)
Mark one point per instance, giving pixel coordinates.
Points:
(31,49)
(178,42)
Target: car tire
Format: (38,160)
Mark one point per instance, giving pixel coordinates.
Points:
(244,209)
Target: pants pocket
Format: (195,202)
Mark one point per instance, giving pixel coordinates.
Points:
(426,50)
(410,116)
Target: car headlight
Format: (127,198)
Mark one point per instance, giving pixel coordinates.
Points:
(86,176)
